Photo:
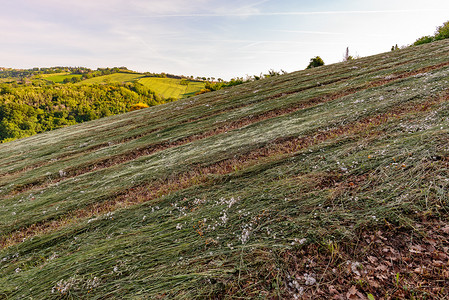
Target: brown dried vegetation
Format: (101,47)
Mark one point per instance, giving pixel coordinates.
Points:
(227,126)
(201,174)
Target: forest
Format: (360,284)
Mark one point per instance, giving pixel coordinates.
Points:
(27,108)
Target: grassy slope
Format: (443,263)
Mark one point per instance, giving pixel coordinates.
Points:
(116,77)
(59,78)
(166,87)
(170,87)
(325,182)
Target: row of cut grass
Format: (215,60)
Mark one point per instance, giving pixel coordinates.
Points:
(217,217)
(313,82)
(124,250)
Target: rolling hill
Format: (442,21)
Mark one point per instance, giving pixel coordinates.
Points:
(165,87)
(325,183)
(116,78)
(172,87)
(59,77)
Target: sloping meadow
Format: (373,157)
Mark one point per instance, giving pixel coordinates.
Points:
(330,182)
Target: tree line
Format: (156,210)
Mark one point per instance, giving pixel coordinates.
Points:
(441,33)
(29,109)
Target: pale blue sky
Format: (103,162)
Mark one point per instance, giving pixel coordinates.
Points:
(207,37)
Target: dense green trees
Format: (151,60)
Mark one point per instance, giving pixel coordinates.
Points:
(18,120)
(18,73)
(215,86)
(36,107)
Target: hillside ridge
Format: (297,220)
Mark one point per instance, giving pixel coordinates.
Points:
(324,183)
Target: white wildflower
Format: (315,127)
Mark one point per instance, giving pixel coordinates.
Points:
(299,241)
(53,256)
(64,286)
(232,201)
(199,201)
(229,203)
(354,267)
(245,235)
(224,218)
(310,280)
(93,283)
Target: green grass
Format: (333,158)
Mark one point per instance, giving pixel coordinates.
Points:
(166,87)
(59,78)
(241,192)
(172,88)
(113,78)
(192,88)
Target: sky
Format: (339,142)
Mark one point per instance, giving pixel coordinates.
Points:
(211,38)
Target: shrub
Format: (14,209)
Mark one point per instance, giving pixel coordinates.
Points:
(424,40)
(203,91)
(137,106)
(315,62)
(442,31)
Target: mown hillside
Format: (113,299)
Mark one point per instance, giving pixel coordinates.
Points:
(325,183)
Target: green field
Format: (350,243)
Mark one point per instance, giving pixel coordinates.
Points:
(59,78)
(319,184)
(116,77)
(166,87)
(170,87)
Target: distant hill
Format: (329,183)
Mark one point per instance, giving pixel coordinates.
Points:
(34,101)
(114,78)
(165,87)
(60,77)
(328,183)
(172,87)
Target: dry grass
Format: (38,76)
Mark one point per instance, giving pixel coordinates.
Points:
(324,183)
(201,174)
